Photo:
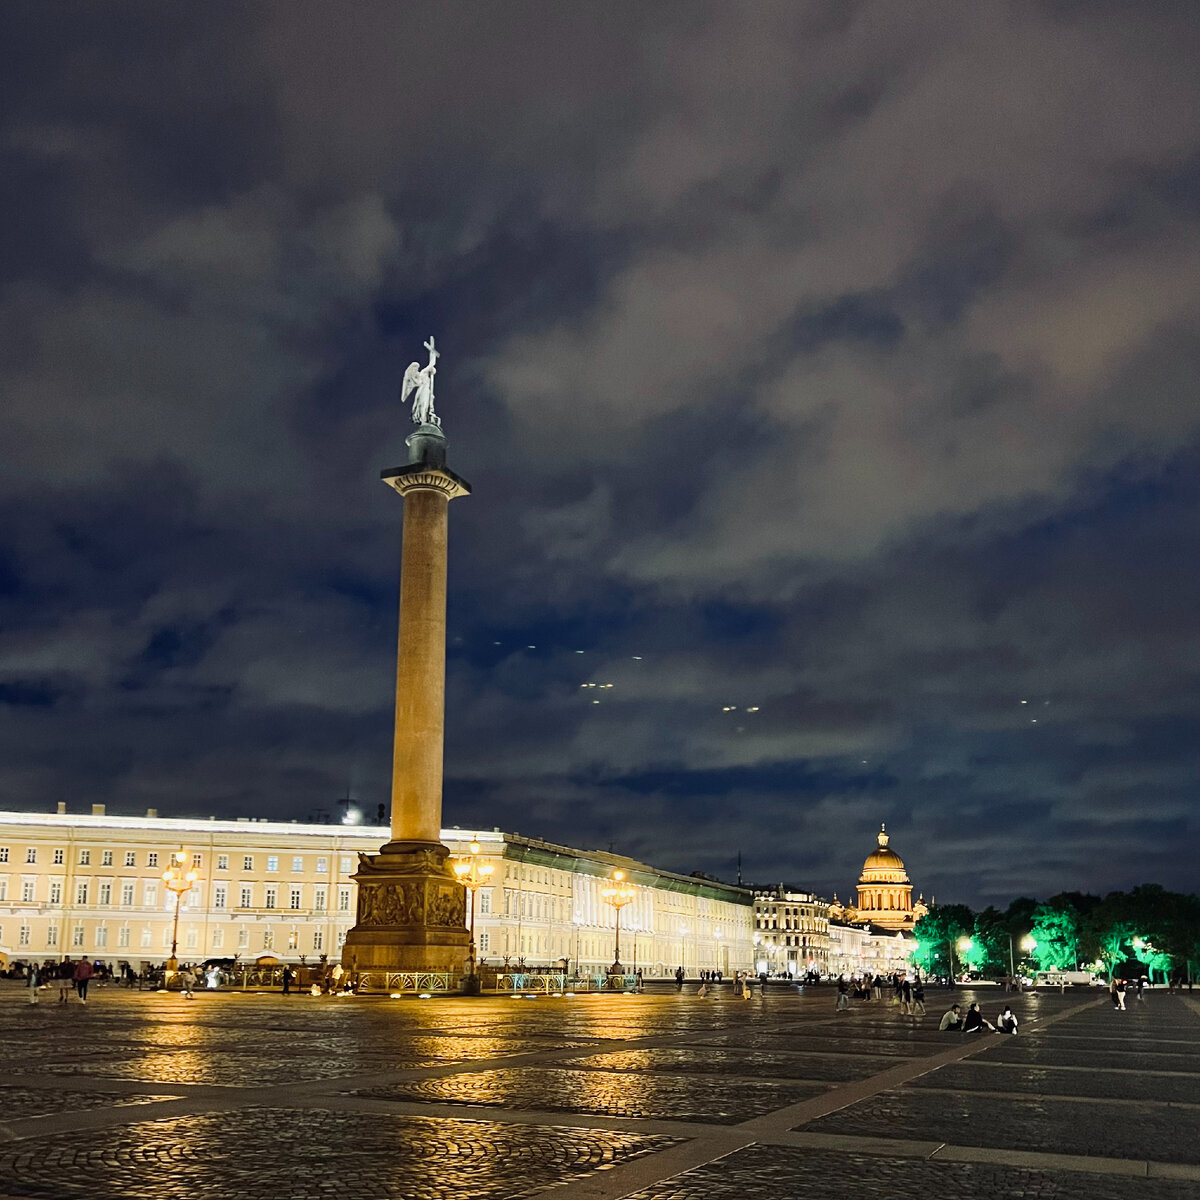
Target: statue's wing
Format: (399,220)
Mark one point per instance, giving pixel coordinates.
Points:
(412,376)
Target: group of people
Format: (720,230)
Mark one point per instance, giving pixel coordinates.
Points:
(1117,989)
(69,976)
(908,995)
(973,1021)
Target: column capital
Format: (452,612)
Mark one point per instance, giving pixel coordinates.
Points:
(423,477)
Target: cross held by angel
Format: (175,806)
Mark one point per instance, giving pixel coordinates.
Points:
(419,381)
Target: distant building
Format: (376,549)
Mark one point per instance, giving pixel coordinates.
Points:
(884,892)
(861,950)
(92,884)
(791,932)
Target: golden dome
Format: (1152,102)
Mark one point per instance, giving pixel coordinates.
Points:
(884,859)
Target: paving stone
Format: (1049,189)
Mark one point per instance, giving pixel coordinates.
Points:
(709,1099)
(1046,1125)
(282,1154)
(778,1171)
(1050,1081)
(16,1102)
(721,1060)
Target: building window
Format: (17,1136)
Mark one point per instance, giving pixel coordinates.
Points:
(3,854)
(3,890)
(243,937)
(31,854)
(247,862)
(347,864)
(197,860)
(145,938)
(294,939)
(130,858)
(27,886)
(268,939)
(123,937)
(485,901)
(127,894)
(297,864)
(485,943)
(247,898)
(105,893)
(218,937)
(102,937)
(294,898)
(81,893)
(193,939)
(270,902)
(60,858)
(151,895)
(85,858)
(106,858)
(318,939)
(77,936)
(152,859)
(51,935)
(272,862)
(319,899)
(322,865)
(222,862)
(219,895)
(56,891)
(341,938)
(23,936)
(343,899)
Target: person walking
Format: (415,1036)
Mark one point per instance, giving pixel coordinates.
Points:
(906,996)
(1121,994)
(83,974)
(187,981)
(1141,989)
(33,981)
(918,1008)
(679,979)
(843,993)
(287,981)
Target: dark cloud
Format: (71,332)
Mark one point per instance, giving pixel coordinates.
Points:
(826,378)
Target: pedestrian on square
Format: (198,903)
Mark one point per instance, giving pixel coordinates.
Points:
(951,1019)
(877,987)
(33,982)
(843,993)
(1121,994)
(66,979)
(679,979)
(287,981)
(1006,1022)
(187,981)
(906,996)
(83,975)
(918,1007)
(1141,989)
(975,1021)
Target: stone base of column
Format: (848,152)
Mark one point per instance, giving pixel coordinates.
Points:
(411,917)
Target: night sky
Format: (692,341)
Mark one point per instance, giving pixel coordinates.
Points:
(826,375)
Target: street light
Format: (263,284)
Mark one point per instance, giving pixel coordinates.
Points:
(618,896)
(1027,944)
(179,882)
(471,873)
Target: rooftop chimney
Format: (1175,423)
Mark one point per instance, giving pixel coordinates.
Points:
(152,812)
(97,810)
(62,807)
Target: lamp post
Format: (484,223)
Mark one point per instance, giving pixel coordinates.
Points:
(1027,944)
(618,895)
(179,882)
(471,873)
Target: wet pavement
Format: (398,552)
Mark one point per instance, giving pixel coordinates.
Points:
(651,1097)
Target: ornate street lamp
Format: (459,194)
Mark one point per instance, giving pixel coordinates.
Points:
(179,882)
(618,895)
(471,873)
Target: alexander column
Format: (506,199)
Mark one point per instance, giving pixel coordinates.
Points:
(411,907)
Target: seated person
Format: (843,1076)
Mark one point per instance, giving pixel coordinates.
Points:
(951,1019)
(1006,1022)
(975,1020)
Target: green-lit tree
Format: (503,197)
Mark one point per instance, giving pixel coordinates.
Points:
(942,927)
(1056,930)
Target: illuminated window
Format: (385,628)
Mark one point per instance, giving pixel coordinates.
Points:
(102,937)
(268,939)
(272,862)
(484,943)
(106,858)
(56,892)
(347,864)
(150,895)
(51,935)
(294,899)
(77,936)
(322,866)
(3,854)
(318,939)
(27,886)
(145,938)
(219,896)
(485,901)
(123,937)
(247,898)
(343,899)
(81,893)
(218,937)
(270,901)
(105,894)
(23,936)
(60,857)
(127,894)
(293,939)
(297,864)
(243,937)
(319,899)
(193,938)
(197,859)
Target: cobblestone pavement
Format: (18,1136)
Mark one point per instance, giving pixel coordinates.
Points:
(652,1097)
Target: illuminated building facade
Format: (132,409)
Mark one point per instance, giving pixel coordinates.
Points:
(791,932)
(884,892)
(860,950)
(92,884)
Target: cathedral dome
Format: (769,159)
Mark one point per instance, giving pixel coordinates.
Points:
(883,862)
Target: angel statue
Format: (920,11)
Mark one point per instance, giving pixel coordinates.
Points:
(419,381)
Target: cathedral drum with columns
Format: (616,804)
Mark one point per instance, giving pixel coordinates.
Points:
(884,890)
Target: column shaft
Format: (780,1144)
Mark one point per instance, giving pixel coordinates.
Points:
(421,670)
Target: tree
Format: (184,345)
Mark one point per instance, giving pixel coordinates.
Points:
(941,927)
(1055,931)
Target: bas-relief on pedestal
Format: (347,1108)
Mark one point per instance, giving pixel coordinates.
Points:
(411,907)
